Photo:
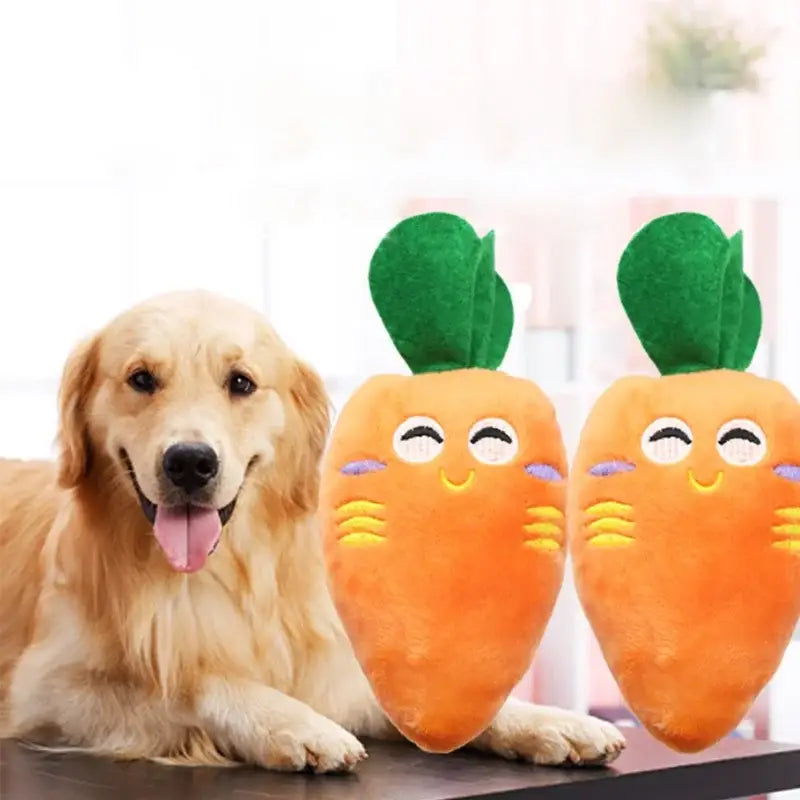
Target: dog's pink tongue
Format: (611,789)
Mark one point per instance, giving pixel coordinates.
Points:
(187,535)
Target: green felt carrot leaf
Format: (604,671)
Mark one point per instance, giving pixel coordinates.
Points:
(750,329)
(502,322)
(731,301)
(433,282)
(683,288)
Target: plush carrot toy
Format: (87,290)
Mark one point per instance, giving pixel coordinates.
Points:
(443,494)
(684,498)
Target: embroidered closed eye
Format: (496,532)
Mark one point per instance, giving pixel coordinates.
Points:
(493,441)
(418,440)
(667,440)
(741,443)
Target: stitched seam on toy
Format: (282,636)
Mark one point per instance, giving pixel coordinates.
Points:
(791,472)
(606,523)
(543,472)
(362,466)
(604,469)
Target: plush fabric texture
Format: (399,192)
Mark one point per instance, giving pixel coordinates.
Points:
(445,572)
(681,283)
(689,572)
(433,281)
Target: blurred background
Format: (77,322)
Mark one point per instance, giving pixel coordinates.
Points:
(262,148)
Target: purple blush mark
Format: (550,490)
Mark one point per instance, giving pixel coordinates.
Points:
(544,472)
(789,471)
(606,468)
(362,467)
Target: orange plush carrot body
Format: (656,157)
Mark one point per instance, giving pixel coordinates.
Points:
(685,495)
(443,496)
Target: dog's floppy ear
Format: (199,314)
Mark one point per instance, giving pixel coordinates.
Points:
(303,442)
(73,434)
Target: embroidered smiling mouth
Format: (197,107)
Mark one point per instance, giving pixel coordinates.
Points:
(455,486)
(705,488)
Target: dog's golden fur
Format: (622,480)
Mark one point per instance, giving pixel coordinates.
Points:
(104,647)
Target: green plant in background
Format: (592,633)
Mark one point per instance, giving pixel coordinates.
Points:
(690,52)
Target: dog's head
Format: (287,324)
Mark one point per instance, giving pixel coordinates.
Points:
(184,400)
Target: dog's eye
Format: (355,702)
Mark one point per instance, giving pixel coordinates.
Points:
(143,381)
(240,384)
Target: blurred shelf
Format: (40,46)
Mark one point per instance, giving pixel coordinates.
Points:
(542,179)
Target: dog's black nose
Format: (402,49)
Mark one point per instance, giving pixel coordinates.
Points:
(190,465)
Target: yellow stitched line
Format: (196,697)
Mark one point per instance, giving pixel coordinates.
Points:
(546,512)
(361,537)
(362,524)
(544,528)
(705,488)
(610,540)
(543,544)
(790,512)
(457,487)
(354,507)
(609,508)
(793,529)
(787,544)
(610,525)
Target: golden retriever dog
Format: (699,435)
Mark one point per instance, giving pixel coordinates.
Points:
(162,588)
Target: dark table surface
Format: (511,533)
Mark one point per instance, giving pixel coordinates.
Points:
(733,769)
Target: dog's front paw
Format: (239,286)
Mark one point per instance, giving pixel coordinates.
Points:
(548,735)
(316,743)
